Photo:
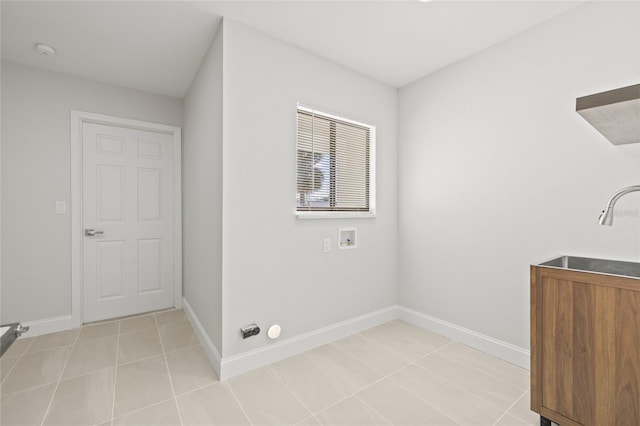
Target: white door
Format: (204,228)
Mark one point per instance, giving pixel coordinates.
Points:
(127,214)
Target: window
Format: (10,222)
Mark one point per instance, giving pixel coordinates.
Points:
(334,164)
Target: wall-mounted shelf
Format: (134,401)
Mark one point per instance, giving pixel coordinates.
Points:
(614,113)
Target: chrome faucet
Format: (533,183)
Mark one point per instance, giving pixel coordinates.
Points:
(606,218)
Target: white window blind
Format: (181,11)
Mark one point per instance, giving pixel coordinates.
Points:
(333,164)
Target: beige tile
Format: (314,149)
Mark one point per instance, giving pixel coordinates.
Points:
(266,400)
(137,323)
(505,371)
(397,343)
(18,347)
(351,412)
(414,332)
(485,386)
(401,407)
(166,317)
(313,386)
(92,355)
(190,369)
(84,400)
(522,409)
(309,421)
(139,345)
(372,354)
(177,335)
(6,364)
(453,401)
(90,332)
(351,373)
(163,414)
(26,407)
(212,405)
(53,340)
(140,384)
(509,420)
(36,369)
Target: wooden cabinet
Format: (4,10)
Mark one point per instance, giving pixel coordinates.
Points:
(585,347)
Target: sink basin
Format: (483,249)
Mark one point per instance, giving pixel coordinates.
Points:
(4,330)
(599,266)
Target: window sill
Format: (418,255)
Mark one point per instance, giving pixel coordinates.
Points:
(335,215)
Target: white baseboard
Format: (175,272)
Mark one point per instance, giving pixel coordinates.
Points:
(241,363)
(48,325)
(498,348)
(210,349)
(237,364)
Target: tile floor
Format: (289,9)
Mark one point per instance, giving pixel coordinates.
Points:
(151,370)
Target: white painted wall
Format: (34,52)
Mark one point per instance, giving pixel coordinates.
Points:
(202,193)
(497,170)
(274,270)
(493,170)
(36,242)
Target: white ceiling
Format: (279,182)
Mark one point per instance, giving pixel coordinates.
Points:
(152,46)
(157,46)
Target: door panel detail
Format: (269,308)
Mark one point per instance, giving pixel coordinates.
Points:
(149,150)
(110,261)
(149,265)
(110,193)
(110,145)
(149,193)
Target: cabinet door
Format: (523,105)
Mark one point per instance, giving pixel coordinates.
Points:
(624,359)
(590,352)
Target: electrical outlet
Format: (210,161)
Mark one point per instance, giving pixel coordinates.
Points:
(327,245)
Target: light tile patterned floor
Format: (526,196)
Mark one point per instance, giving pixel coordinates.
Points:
(151,370)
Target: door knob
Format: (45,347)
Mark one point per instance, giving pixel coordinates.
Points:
(92,232)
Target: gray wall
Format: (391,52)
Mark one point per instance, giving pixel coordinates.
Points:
(274,269)
(36,242)
(498,171)
(202,193)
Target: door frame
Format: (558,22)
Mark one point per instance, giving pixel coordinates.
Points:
(78,118)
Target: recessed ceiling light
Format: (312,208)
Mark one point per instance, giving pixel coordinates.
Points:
(45,49)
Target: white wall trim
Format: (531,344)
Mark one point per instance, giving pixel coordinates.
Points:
(498,348)
(209,347)
(241,363)
(231,366)
(77,119)
(48,325)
